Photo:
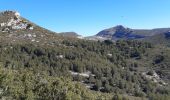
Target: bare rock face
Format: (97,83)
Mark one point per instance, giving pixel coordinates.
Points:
(153,76)
(11,20)
(17,14)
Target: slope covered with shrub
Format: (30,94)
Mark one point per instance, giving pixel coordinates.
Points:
(39,64)
(118,68)
(27,85)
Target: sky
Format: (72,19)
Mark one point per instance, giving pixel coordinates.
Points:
(88,17)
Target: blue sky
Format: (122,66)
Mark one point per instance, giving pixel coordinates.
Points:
(88,17)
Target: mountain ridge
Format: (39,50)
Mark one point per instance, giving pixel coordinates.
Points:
(120,32)
(126,32)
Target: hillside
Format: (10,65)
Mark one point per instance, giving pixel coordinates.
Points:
(78,68)
(163,39)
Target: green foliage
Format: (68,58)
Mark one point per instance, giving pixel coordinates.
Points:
(117,67)
(27,85)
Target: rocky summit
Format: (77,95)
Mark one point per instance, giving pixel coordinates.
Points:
(11,20)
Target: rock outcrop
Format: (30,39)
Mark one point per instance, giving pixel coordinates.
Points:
(14,22)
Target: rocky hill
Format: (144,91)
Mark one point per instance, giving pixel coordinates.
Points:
(16,29)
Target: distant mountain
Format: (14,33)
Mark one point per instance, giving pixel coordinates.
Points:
(71,34)
(121,32)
